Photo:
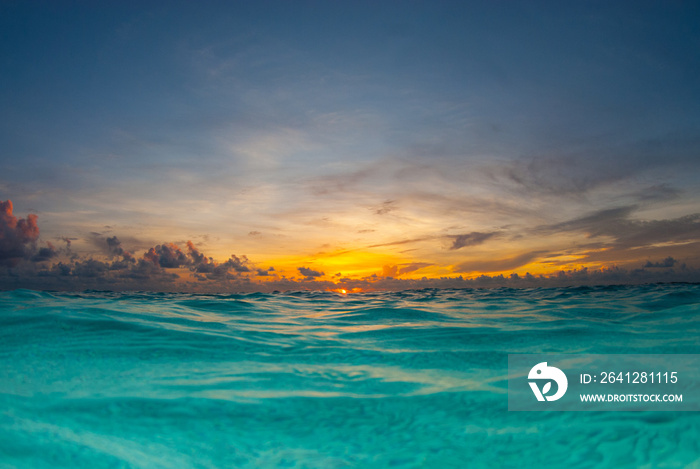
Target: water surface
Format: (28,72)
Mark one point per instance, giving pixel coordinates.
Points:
(321,380)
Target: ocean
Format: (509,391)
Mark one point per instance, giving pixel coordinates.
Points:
(413,379)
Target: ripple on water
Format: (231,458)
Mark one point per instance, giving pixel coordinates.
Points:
(316,379)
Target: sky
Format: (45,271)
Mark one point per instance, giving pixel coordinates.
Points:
(277,145)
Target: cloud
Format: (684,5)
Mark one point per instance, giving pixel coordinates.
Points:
(167,256)
(18,236)
(170,256)
(386,207)
(458,241)
(239,264)
(201,263)
(657,193)
(668,262)
(308,273)
(642,233)
(89,268)
(471,239)
(412,267)
(45,253)
(206,265)
(629,233)
(389,271)
(604,162)
(157,269)
(498,265)
(115,246)
(110,246)
(596,224)
(403,241)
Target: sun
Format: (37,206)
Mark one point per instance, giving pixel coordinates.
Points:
(346,291)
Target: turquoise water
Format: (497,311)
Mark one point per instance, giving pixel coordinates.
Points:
(319,380)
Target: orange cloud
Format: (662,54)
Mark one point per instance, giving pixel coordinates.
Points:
(17,235)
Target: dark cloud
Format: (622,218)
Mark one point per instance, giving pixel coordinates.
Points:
(110,246)
(115,246)
(45,253)
(668,262)
(201,262)
(412,267)
(390,271)
(595,224)
(630,233)
(239,264)
(609,254)
(642,233)
(386,207)
(605,161)
(497,265)
(657,193)
(89,268)
(167,256)
(458,241)
(308,273)
(206,265)
(471,239)
(156,269)
(116,249)
(403,241)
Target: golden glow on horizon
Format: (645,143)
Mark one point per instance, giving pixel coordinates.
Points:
(347,263)
(336,269)
(334,266)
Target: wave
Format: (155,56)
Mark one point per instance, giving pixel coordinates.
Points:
(317,379)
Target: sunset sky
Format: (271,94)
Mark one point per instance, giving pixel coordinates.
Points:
(345,143)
